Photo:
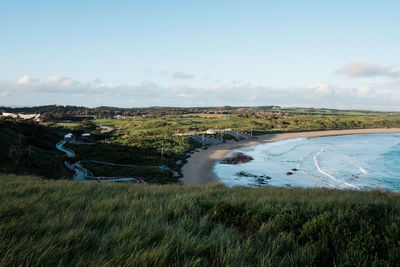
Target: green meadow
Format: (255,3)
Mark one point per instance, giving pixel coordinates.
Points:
(259,123)
(56,223)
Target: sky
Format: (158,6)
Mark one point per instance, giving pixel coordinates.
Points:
(332,54)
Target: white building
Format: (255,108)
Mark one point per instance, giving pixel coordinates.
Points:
(12,115)
(210,131)
(35,117)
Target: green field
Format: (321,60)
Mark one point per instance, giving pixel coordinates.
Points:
(150,174)
(51,223)
(67,125)
(258,123)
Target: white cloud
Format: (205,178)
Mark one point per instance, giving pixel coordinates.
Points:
(365,91)
(24,80)
(68,91)
(27,80)
(60,81)
(365,69)
(320,88)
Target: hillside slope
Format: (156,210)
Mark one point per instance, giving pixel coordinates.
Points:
(29,148)
(47,223)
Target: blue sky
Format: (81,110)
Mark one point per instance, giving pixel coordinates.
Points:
(338,54)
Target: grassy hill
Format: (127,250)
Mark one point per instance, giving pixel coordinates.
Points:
(29,148)
(48,223)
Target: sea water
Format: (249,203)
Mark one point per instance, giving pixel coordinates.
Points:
(361,161)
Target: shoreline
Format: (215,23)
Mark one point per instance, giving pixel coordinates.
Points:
(198,169)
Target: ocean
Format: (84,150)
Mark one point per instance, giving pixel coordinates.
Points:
(360,162)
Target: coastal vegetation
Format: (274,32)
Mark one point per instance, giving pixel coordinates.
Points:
(57,112)
(153,136)
(29,148)
(47,223)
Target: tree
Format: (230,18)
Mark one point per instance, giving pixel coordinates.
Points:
(21,155)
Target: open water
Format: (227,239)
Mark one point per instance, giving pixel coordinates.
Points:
(361,162)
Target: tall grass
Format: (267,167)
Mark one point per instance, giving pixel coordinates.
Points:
(51,223)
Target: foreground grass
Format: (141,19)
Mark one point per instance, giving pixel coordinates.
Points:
(52,223)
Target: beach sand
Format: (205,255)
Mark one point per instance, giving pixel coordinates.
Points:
(198,169)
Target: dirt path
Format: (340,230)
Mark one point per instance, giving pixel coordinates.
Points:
(82,174)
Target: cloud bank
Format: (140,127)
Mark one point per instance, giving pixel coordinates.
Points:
(60,90)
(364,69)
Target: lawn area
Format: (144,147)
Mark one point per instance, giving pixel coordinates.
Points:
(48,223)
(150,174)
(68,125)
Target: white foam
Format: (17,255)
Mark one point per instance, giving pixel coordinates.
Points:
(309,174)
(327,174)
(364,171)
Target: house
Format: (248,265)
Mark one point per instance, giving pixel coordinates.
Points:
(35,117)
(210,131)
(12,115)
(68,136)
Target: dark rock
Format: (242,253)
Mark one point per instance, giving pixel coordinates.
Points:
(245,174)
(237,158)
(261,181)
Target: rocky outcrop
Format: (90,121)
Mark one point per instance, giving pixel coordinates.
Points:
(237,158)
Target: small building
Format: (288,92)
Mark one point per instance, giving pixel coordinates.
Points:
(35,117)
(7,114)
(85,135)
(210,131)
(68,136)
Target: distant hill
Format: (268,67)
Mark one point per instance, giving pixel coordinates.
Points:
(70,112)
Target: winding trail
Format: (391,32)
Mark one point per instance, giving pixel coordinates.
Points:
(82,174)
(60,146)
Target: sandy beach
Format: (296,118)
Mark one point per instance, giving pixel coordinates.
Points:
(198,169)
